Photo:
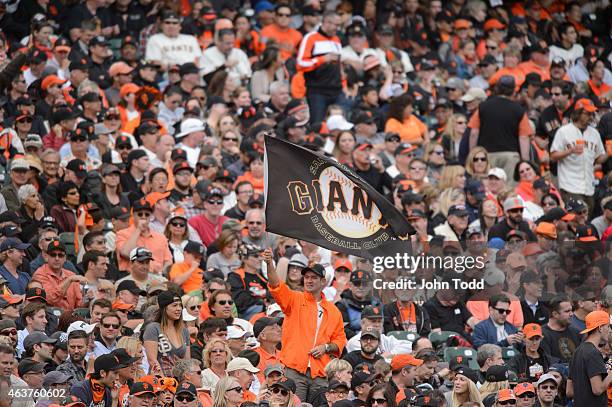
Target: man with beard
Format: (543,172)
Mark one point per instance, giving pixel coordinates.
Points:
(75,365)
(560,339)
(369,341)
(513,208)
(354,299)
(557,114)
(183,174)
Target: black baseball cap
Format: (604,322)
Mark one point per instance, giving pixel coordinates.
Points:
(130,286)
(317,269)
(123,357)
(56,246)
(194,248)
(141,388)
(78,167)
(371,312)
(107,362)
(36,293)
(98,40)
(264,322)
(457,210)
(360,275)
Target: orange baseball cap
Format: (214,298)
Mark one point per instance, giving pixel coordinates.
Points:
(524,387)
(343,263)
(595,319)
(586,104)
(401,361)
(462,24)
(127,89)
(531,330)
(505,395)
(532,249)
(155,197)
(50,81)
(120,305)
(546,229)
(12,299)
(493,24)
(120,68)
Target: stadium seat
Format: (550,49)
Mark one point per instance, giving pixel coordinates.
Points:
(508,353)
(438,338)
(82,312)
(468,353)
(404,335)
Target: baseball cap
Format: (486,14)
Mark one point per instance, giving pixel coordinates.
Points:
(188,68)
(531,330)
(475,187)
(50,81)
(546,229)
(80,326)
(343,263)
(187,387)
(130,285)
(194,248)
(497,373)
(493,24)
(141,205)
(513,203)
(286,384)
(36,338)
(586,233)
(594,320)
(360,275)
(36,293)
(140,254)
(214,192)
(373,333)
(457,210)
(467,372)
(401,361)
(338,122)
(55,377)
(12,243)
(240,364)
(235,332)
(299,260)
(123,357)
(336,384)
(28,365)
(474,94)
(78,167)
(262,323)
(585,104)
(524,387)
(498,173)
(107,362)
(182,166)
(404,148)
(168,15)
(317,269)
(273,368)
(56,246)
(547,377)
(487,60)
(371,312)
(575,205)
(505,395)
(141,388)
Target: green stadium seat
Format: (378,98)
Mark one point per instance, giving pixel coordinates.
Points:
(508,353)
(438,338)
(468,353)
(404,335)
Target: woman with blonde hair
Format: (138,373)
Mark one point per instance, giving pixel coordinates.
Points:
(477,163)
(448,198)
(451,137)
(228,393)
(215,357)
(434,157)
(191,313)
(464,389)
(453,176)
(339,369)
(135,349)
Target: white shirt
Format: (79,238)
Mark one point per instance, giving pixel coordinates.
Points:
(192,154)
(387,344)
(575,171)
(214,59)
(568,55)
(177,50)
(404,58)
(349,54)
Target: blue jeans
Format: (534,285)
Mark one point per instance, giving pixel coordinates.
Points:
(318,104)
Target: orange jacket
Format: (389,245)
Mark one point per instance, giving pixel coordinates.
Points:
(300,326)
(288,39)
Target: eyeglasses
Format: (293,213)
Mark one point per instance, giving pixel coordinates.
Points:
(78,139)
(451,89)
(184,399)
(72,193)
(57,255)
(481,159)
(524,170)
(237,389)
(438,152)
(143,214)
(282,392)
(215,201)
(226,302)
(178,224)
(114,326)
(507,403)
(491,46)
(527,395)
(9,332)
(379,401)
(255,223)
(503,310)
(25,120)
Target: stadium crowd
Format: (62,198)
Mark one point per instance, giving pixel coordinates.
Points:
(135,265)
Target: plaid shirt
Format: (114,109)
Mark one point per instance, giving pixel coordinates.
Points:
(190,209)
(69,368)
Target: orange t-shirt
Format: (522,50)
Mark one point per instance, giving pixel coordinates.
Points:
(258,183)
(530,66)
(194,282)
(411,130)
(517,73)
(288,39)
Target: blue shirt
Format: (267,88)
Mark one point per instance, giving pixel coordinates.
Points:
(16,285)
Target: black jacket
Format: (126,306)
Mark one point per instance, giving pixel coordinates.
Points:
(519,364)
(351,308)
(393,319)
(541,316)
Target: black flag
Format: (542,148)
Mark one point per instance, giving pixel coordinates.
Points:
(314,198)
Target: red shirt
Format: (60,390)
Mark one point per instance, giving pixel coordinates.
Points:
(207,230)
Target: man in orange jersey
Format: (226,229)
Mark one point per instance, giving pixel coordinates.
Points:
(319,59)
(313,329)
(287,38)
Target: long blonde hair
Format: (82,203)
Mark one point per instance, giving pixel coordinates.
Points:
(131,346)
(447,197)
(493,387)
(449,173)
(223,385)
(473,395)
(450,128)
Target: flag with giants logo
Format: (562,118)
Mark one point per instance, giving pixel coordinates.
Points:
(314,198)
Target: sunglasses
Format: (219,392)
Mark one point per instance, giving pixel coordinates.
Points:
(491,46)
(9,332)
(503,311)
(178,224)
(185,399)
(171,22)
(124,147)
(394,140)
(25,120)
(215,201)
(78,139)
(438,152)
(481,159)
(507,403)
(379,401)
(230,139)
(57,255)
(143,214)
(195,307)
(114,326)
(282,392)
(226,302)
(237,389)
(527,395)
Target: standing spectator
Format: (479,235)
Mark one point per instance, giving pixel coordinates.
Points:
(305,366)
(501,126)
(578,149)
(224,55)
(589,375)
(288,39)
(560,339)
(319,59)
